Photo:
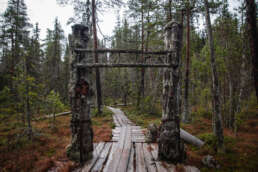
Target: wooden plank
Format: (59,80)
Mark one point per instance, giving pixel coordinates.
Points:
(140,162)
(110,157)
(170,167)
(95,145)
(138,141)
(118,120)
(154,152)
(122,51)
(131,160)
(122,65)
(149,160)
(113,165)
(89,164)
(117,123)
(124,158)
(191,169)
(102,158)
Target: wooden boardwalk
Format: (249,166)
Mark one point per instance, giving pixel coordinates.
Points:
(128,151)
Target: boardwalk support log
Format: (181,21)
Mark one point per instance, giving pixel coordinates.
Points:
(80,91)
(171,148)
(190,139)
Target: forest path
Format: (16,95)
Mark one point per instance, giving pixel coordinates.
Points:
(128,151)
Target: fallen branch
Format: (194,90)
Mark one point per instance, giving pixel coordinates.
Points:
(52,115)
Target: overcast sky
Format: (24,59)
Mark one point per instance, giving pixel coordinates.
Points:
(45,11)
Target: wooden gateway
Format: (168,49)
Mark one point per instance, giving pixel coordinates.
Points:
(128,150)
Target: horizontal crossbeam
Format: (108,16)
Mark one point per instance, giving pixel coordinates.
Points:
(123,51)
(106,65)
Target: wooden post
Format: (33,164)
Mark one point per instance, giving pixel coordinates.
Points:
(171,148)
(80,92)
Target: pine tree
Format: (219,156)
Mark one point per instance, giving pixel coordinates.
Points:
(16,25)
(53,53)
(218,128)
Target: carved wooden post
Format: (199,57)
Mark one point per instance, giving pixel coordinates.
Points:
(81,147)
(171,148)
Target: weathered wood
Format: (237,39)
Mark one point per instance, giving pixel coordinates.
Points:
(129,154)
(111,157)
(170,146)
(102,158)
(154,151)
(187,137)
(89,164)
(140,165)
(80,92)
(127,51)
(114,163)
(95,145)
(116,121)
(51,116)
(107,65)
(124,159)
(149,160)
(131,160)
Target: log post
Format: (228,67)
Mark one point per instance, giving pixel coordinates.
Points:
(80,92)
(171,148)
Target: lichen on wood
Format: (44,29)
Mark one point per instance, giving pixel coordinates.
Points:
(80,91)
(171,148)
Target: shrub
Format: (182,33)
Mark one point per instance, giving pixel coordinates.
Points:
(201,112)
(149,107)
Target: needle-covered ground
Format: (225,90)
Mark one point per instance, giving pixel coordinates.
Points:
(47,149)
(241,149)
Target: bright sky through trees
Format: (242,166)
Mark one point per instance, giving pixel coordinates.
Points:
(45,11)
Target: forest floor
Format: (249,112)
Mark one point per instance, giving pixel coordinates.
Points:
(47,150)
(241,150)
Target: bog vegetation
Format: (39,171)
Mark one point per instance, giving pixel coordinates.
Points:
(35,74)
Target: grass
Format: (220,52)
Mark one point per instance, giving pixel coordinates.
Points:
(47,149)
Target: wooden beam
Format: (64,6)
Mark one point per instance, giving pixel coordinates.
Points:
(123,51)
(121,65)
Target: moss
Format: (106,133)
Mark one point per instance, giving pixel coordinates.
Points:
(50,152)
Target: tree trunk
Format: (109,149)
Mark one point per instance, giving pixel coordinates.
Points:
(80,91)
(171,148)
(98,84)
(253,40)
(143,60)
(186,104)
(215,82)
(180,90)
(27,103)
(169,11)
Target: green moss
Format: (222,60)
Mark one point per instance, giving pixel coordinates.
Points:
(50,152)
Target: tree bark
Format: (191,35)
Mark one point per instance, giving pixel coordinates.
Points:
(141,90)
(80,91)
(27,103)
(252,35)
(215,82)
(171,148)
(98,83)
(186,104)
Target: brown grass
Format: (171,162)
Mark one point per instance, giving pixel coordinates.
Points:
(47,151)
